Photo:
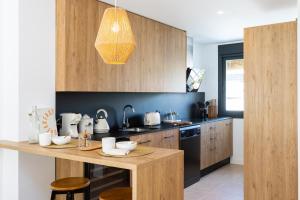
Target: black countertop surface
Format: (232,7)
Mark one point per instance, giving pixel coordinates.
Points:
(162,127)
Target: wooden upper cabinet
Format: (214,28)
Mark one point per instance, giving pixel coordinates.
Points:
(270,116)
(158,63)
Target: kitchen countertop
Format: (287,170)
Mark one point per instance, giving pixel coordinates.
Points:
(153,129)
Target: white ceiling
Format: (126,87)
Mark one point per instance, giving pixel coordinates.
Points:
(201,21)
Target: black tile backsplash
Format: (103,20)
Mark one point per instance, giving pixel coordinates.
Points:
(88,103)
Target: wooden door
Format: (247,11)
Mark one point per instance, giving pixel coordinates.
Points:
(270,117)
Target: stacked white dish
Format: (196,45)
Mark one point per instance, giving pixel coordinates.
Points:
(110,147)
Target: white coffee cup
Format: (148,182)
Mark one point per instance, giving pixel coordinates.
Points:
(45,139)
(108,143)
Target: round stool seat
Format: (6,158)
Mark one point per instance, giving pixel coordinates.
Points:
(124,193)
(70,184)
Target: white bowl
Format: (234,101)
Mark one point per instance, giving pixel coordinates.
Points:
(127,145)
(61,140)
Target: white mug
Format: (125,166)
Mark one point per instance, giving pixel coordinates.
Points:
(45,139)
(108,143)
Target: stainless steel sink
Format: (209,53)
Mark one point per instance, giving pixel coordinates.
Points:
(136,130)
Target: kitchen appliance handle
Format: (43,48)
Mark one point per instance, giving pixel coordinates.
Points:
(99,111)
(189,137)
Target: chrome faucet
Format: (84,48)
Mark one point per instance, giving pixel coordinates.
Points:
(125,123)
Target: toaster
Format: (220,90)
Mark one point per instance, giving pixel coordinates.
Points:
(151,118)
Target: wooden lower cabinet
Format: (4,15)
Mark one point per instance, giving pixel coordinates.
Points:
(216,142)
(164,139)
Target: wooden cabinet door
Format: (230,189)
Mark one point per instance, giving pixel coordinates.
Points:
(207,145)
(163,139)
(216,142)
(158,63)
(170,139)
(223,140)
(228,131)
(146,140)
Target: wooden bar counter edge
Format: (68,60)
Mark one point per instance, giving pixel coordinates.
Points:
(157,176)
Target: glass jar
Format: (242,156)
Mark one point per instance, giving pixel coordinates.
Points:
(84,140)
(33,136)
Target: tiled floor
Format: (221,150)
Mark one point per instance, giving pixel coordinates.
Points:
(224,184)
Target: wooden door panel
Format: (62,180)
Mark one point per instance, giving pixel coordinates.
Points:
(270,116)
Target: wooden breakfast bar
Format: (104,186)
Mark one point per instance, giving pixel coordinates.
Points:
(156,176)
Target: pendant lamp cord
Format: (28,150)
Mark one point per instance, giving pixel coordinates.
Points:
(116,16)
(116,9)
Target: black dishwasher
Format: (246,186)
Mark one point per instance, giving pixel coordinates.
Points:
(190,144)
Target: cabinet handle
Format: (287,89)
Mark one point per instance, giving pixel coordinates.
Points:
(145,142)
(211,128)
(168,137)
(227,124)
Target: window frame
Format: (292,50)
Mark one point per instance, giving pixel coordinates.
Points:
(227,52)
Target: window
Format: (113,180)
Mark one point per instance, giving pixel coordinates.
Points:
(231,80)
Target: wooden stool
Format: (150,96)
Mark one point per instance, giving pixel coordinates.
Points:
(124,193)
(70,186)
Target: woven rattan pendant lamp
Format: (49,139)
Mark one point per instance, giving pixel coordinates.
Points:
(115,40)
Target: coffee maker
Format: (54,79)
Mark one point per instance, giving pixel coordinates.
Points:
(69,125)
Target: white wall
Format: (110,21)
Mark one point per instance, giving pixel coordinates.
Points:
(208,60)
(1,84)
(206,56)
(9,96)
(37,87)
(27,79)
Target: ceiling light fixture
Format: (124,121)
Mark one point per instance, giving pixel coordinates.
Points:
(115,40)
(220,12)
